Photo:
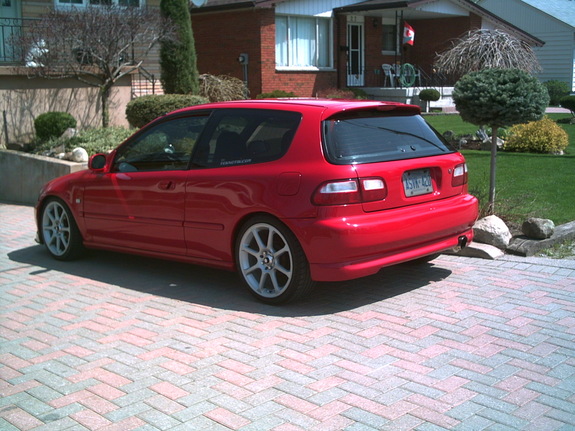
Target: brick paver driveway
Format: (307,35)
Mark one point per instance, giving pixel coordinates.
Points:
(114,342)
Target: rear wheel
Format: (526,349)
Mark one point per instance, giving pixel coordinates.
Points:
(59,231)
(271,262)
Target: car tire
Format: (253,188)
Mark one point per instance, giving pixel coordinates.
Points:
(271,261)
(59,231)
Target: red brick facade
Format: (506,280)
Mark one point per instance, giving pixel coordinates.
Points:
(222,36)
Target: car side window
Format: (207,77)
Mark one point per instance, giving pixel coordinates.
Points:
(247,136)
(164,146)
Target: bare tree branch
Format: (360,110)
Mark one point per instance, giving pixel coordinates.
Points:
(487,49)
(97,45)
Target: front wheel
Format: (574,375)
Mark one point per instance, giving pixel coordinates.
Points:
(59,231)
(271,262)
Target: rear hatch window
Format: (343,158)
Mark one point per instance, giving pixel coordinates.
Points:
(371,137)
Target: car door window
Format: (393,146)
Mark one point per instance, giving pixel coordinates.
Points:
(244,136)
(165,146)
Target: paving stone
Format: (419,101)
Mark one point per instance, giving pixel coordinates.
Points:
(120,343)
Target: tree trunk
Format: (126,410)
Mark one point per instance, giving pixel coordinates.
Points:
(104,98)
(491,208)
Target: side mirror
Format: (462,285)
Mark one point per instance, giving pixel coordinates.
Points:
(97,162)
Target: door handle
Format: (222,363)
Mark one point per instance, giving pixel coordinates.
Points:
(166,185)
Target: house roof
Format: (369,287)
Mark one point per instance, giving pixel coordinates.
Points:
(234,4)
(563,10)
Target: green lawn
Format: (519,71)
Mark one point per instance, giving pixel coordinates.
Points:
(528,185)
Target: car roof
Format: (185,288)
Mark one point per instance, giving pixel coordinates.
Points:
(327,106)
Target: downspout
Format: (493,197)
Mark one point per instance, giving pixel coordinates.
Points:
(336,50)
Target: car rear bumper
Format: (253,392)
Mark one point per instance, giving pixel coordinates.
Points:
(348,247)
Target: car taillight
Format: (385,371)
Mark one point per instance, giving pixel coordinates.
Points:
(343,192)
(459,175)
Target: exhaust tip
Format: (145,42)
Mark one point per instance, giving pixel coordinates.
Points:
(462,241)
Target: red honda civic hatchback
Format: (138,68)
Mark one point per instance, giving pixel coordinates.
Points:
(285,192)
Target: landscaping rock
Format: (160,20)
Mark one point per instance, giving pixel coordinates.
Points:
(538,228)
(477,249)
(524,246)
(69,133)
(493,231)
(79,155)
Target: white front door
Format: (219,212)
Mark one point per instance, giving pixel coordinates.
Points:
(9,27)
(355,54)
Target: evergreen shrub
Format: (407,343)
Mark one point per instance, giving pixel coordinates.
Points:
(429,95)
(53,124)
(568,102)
(178,58)
(142,110)
(556,90)
(543,136)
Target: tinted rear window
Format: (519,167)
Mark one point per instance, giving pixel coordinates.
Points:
(371,138)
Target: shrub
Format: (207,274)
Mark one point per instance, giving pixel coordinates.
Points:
(359,93)
(178,58)
(556,90)
(568,102)
(543,136)
(336,93)
(92,140)
(53,124)
(142,110)
(429,95)
(276,94)
(500,97)
(222,88)
(342,93)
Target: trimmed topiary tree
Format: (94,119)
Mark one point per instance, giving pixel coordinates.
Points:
(53,124)
(429,95)
(178,59)
(499,98)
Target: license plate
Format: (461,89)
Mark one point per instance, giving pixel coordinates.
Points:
(417,183)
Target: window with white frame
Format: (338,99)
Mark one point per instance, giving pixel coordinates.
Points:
(80,3)
(390,36)
(303,42)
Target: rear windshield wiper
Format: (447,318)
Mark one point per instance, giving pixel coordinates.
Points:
(399,132)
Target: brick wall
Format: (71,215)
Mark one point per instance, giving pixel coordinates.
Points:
(221,37)
(436,35)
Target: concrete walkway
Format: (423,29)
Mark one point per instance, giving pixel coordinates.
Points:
(114,342)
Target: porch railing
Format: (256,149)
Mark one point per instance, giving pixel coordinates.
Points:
(10,30)
(377,77)
(145,83)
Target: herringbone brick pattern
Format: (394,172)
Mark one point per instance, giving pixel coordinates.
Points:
(114,342)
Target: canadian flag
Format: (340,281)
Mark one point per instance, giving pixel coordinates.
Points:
(408,34)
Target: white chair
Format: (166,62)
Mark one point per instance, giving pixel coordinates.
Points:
(388,75)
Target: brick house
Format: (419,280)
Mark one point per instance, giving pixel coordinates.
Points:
(307,47)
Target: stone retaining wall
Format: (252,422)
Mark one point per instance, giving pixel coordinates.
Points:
(22,175)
